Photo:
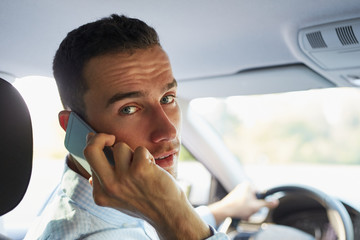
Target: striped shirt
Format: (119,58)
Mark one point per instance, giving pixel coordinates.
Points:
(71,213)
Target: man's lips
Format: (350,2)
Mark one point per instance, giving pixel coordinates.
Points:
(166,160)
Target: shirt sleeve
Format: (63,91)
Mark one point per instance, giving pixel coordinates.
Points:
(206,215)
(219,236)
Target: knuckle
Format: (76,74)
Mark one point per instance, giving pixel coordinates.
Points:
(88,150)
(141,150)
(120,145)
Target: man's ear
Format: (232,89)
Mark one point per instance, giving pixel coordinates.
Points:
(64,118)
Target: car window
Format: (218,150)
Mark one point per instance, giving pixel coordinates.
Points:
(309,137)
(193,177)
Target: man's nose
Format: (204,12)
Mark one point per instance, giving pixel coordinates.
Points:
(164,126)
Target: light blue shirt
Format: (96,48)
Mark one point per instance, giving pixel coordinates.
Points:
(72,213)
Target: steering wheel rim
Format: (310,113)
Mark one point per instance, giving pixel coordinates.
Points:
(338,216)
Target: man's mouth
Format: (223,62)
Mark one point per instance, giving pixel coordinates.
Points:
(165,161)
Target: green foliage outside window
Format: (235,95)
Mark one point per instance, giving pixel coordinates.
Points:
(315,126)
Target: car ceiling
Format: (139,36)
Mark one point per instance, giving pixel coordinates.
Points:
(203,38)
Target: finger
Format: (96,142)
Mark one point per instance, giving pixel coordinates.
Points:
(143,156)
(272,204)
(107,138)
(122,156)
(266,203)
(142,159)
(99,195)
(95,156)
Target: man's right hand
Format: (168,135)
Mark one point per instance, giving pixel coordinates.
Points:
(138,187)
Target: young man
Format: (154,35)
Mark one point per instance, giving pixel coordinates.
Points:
(116,76)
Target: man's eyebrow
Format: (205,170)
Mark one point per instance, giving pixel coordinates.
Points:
(135,94)
(171,85)
(121,96)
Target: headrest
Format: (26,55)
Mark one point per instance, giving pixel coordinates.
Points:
(16,147)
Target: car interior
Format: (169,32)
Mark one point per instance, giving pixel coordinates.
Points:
(269,92)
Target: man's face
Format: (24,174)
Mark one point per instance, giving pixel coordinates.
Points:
(133,98)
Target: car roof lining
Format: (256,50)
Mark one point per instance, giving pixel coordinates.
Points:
(222,39)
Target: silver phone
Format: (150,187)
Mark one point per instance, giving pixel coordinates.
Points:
(75,141)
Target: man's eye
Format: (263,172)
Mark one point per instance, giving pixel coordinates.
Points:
(167,99)
(128,110)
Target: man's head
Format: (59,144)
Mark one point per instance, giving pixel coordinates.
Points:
(109,35)
(115,75)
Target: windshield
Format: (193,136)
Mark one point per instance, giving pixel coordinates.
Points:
(310,137)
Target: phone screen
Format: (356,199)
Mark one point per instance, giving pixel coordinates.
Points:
(75,141)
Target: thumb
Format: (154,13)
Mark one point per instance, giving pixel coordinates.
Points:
(268,203)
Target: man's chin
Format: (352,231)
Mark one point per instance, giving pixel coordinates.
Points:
(172,170)
(168,164)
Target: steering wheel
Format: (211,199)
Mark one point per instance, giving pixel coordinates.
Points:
(337,214)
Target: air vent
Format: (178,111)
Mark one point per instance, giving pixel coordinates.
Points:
(333,46)
(346,35)
(316,40)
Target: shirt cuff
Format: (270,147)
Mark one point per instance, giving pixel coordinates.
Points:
(206,215)
(218,236)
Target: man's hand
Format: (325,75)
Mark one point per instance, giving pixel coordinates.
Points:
(241,202)
(140,188)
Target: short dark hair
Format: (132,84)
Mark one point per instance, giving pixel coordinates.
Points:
(106,36)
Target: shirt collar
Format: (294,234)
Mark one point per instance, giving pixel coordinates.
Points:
(79,191)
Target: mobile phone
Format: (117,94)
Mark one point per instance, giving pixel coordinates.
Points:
(75,141)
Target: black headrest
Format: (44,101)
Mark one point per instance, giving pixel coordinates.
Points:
(16,147)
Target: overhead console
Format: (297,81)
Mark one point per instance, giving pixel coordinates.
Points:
(335,48)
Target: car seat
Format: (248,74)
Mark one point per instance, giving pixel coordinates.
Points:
(16,147)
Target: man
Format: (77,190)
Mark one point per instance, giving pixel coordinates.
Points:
(116,76)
